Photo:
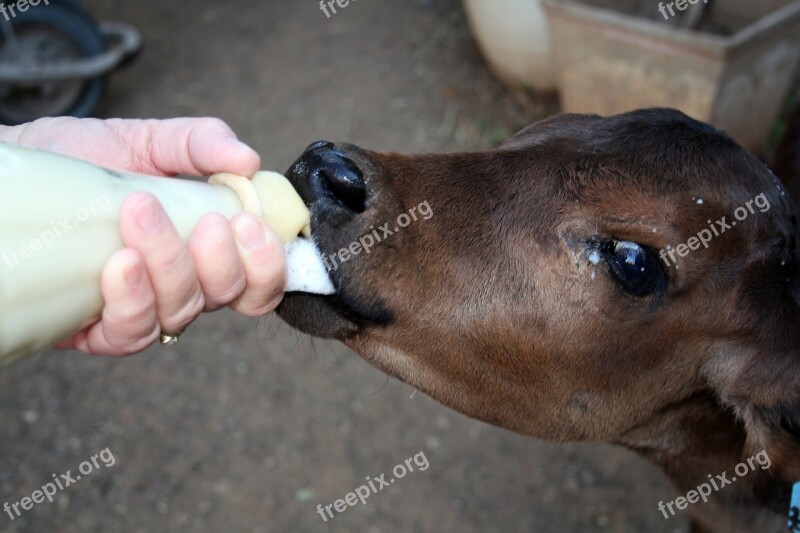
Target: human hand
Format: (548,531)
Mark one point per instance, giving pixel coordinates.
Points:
(158,283)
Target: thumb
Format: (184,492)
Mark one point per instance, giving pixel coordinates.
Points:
(192,146)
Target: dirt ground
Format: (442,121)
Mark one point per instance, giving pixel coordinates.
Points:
(247,425)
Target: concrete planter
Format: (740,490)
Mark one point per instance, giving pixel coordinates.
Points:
(608,62)
(514,38)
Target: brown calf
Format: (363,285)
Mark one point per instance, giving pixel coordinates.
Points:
(565,286)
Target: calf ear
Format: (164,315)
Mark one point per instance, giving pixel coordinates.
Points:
(764,385)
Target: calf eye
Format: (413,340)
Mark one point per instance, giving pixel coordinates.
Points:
(636,268)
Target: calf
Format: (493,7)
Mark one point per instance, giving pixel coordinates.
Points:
(630,279)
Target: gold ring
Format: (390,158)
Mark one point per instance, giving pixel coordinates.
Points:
(170,339)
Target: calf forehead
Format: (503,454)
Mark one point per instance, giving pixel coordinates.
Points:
(660,153)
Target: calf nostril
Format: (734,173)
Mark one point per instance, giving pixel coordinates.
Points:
(344,181)
(319,145)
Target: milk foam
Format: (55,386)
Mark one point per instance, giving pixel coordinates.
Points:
(307,272)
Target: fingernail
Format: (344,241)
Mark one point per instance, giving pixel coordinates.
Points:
(134,276)
(240,144)
(249,233)
(149,216)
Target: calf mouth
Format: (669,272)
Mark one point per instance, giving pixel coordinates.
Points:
(334,182)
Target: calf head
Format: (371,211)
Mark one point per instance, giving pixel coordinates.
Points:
(616,279)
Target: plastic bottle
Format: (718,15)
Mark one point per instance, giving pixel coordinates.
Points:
(59,227)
